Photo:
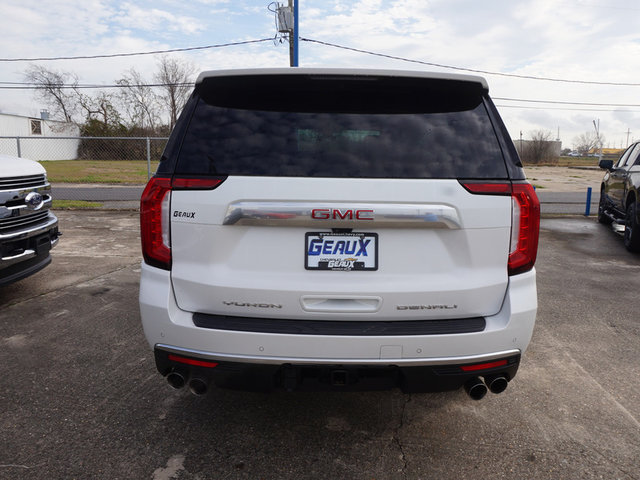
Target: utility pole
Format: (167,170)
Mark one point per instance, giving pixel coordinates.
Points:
(628,132)
(597,127)
(293,34)
(520,152)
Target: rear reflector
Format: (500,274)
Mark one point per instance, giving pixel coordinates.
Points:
(191,361)
(483,366)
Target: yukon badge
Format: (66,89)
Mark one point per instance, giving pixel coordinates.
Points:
(252,305)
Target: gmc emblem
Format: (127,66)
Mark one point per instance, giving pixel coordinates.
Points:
(340,214)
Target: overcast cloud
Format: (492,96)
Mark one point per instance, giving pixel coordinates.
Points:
(592,40)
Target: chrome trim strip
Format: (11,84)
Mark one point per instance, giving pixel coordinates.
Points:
(407,362)
(22,211)
(27,254)
(8,195)
(31,231)
(408,215)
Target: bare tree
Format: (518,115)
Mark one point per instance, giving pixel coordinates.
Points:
(586,142)
(539,149)
(176,81)
(139,101)
(56,89)
(100,108)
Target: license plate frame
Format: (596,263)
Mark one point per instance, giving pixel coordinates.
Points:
(341,251)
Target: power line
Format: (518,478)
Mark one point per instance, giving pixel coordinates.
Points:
(484,72)
(36,86)
(555,102)
(30,86)
(154,52)
(523,107)
(320,42)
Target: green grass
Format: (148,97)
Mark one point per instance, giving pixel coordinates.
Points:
(567,162)
(74,204)
(98,171)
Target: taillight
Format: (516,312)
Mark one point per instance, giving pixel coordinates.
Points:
(185,183)
(525,228)
(525,220)
(484,188)
(155,215)
(155,206)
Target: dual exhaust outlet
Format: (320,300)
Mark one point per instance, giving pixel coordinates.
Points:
(197,385)
(477,389)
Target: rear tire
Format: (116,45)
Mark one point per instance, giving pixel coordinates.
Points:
(632,229)
(602,206)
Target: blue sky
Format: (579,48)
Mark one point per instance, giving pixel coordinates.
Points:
(592,40)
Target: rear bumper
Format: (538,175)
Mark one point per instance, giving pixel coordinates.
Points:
(442,375)
(171,330)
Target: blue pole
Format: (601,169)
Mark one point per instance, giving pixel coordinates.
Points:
(295,33)
(587,211)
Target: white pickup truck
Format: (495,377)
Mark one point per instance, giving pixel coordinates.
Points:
(28,229)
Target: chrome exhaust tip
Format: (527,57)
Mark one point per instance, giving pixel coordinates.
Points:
(496,383)
(475,388)
(197,386)
(176,380)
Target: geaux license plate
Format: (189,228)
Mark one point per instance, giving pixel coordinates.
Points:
(341,251)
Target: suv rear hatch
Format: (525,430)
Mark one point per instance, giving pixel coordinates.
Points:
(337,196)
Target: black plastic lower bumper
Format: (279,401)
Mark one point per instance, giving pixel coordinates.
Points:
(40,244)
(264,377)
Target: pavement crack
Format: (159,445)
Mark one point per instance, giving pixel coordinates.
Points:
(396,435)
(25,467)
(68,286)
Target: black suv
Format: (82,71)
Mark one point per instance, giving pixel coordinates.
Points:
(619,195)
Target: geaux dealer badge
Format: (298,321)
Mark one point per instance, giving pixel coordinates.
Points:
(341,251)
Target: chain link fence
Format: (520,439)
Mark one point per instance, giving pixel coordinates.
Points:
(109,171)
(83,148)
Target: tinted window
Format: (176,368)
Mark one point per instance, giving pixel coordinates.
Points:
(398,135)
(625,156)
(634,158)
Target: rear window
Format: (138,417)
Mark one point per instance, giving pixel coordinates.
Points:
(340,127)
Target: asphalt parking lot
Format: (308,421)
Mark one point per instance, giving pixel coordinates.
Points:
(81,398)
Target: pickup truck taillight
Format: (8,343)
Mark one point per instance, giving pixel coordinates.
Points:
(525,221)
(155,215)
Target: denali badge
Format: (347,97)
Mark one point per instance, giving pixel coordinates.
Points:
(426,307)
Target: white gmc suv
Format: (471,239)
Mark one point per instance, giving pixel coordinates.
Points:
(339,229)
